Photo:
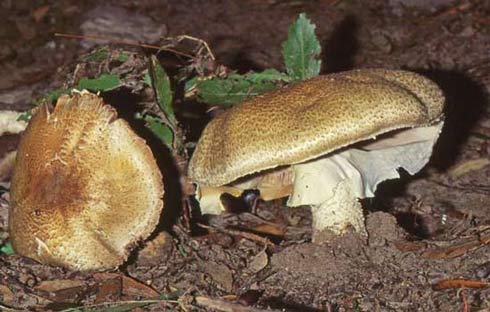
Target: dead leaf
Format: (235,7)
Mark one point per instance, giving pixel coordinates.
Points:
(220,274)
(156,250)
(258,263)
(109,289)
(135,288)
(130,286)
(66,291)
(468,166)
(6,294)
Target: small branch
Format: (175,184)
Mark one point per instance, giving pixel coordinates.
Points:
(204,43)
(254,237)
(459,283)
(9,309)
(457,249)
(462,293)
(121,42)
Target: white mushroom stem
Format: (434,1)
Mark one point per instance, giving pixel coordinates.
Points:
(339,212)
(334,184)
(331,186)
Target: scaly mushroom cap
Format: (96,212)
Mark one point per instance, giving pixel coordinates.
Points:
(310,119)
(85,188)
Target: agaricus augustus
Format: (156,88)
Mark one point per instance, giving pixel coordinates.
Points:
(85,187)
(325,142)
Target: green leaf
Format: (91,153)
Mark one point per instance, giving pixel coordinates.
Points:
(98,55)
(190,85)
(122,57)
(104,82)
(7,249)
(25,116)
(52,96)
(147,79)
(163,91)
(236,88)
(301,50)
(49,98)
(268,75)
(55,94)
(160,129)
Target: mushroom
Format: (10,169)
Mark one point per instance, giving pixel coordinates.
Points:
(11,126)
(85,187)
(315,141)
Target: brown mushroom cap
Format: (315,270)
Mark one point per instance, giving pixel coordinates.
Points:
(310,119)
(85,188)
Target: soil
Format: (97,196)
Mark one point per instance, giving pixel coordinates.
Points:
(428,236)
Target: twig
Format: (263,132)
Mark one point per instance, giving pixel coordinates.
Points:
(122,42)
(204,43)
(462,293)
(247,235)
(459,283)
(9,309)
(224,306)
(473,189)
(457,249)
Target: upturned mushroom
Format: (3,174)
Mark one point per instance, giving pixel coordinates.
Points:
(85,187)
(326,142)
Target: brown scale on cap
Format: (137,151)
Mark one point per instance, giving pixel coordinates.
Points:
(85,188)
(311,119)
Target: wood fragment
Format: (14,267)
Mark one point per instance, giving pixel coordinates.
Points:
(253,237)
(468,166)
(406,246)
(459,283)
(120,42)
(457,249)
(224,306)
(270,229)
(462,294)
(130,286)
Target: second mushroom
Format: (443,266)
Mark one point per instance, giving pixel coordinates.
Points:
(326,142)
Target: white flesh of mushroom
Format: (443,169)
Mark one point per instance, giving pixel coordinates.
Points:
(332,185)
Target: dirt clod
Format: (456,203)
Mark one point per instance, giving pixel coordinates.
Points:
(382,229)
